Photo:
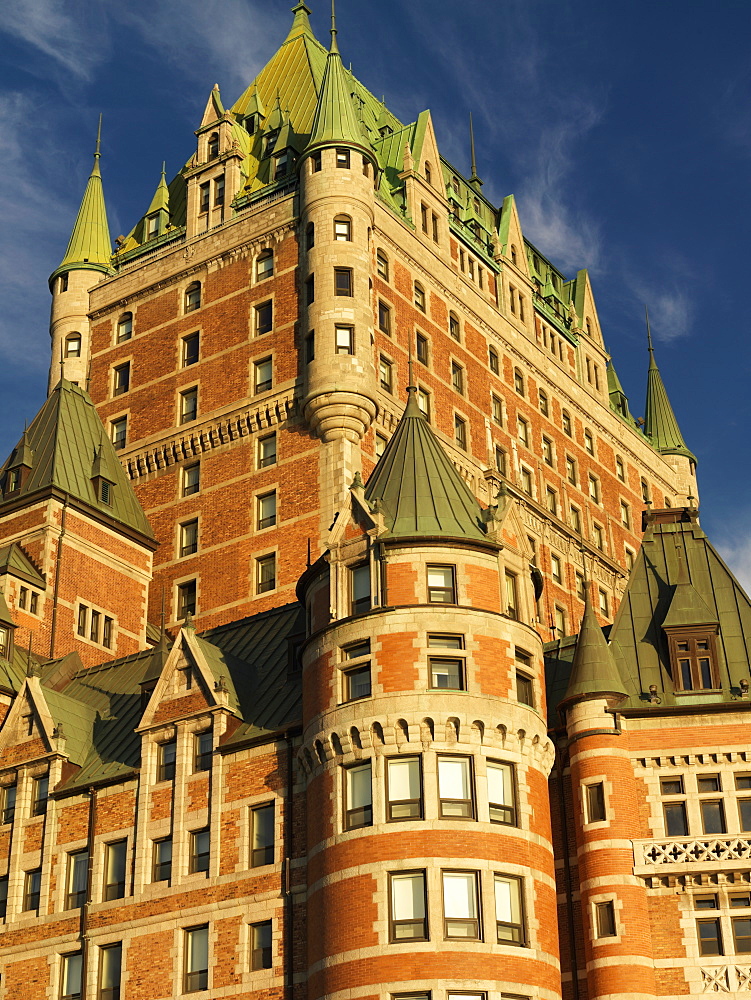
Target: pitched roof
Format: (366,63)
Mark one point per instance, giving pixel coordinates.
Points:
(14,560)
(660,425)
(416,487)
(593,671)
(70,447)
(335,120)
(90,246)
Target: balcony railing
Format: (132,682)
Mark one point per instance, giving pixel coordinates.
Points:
(726,979)
(716,851)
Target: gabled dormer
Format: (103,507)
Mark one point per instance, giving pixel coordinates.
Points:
(7,629)
(691,629)
(18,467)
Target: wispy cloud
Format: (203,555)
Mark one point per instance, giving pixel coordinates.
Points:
(734,545)
(70,33)
(670,306)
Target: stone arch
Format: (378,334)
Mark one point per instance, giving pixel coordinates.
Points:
(401,731)
(427,732)
(452,730)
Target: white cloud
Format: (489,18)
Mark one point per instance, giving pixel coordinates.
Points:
(737,554)
(670,308)
(69,33)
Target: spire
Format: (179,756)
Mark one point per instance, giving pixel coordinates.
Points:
(160,201)
(618,398)
(660,426)
(416,486)
(90,246)
(214,109)
(594,673)
(474,180)
(335,121)
(300,23)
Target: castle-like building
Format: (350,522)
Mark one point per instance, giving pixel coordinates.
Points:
(315,688)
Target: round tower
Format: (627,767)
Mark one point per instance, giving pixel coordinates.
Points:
(337,171)
(89,249)
(425,748)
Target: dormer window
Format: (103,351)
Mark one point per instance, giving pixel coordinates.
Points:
(281,164)
(270,141)
(14,480)
(694,660)
(152,227)
(251,124)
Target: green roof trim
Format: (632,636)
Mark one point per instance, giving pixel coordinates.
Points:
(70,451)
(594,673)
(416,487)
(90,246)
(660,426)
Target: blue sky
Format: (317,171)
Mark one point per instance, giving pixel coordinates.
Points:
(623,129)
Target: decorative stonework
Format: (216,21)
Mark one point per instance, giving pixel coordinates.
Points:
(691,851)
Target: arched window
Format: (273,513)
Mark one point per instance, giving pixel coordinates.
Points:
(382,265)
(513,254)
(428,174)
(125,327)
(419,296)
(265,265)
(343,228)
(213,145)
(73,345)
(193,296)
(310,236)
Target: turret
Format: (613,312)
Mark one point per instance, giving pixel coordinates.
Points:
(89,250)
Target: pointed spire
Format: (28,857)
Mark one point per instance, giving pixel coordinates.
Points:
(594,673)
(159,208)
(90,246)
(416,486)
(660,426)
(474,180)
(618,398)
(335,121)
(300,23)
(214,109)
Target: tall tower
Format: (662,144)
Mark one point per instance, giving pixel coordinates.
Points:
(89,249)
(424,747)
(337,176)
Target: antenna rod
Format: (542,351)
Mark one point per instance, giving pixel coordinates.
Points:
(649,331)
(472,148)
(98,136)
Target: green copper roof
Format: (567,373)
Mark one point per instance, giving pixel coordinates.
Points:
(416,487)
(70,450)
(14,560)
(335,120)
(660,425)
(618,398)
(160,201)
(593,672)
(687,606)
(6,618)
(90,246)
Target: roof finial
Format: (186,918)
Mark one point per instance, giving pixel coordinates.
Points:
(650,348)
(334,47)
(164,168)
(62,362)
(473,179)
(98,137)
(411,387)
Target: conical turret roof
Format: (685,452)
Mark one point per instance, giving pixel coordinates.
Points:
(160,201)
(416,487)
(660,425)
(90,246)
(594,672)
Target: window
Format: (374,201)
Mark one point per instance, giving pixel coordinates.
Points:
(310,236)
(260,944)
(674,810)
(114,869)
(262,835)
(598,536)
(189,537)
(419,296)
(342,159)
(266,506)
(524,688)
(40,793)
(343,228)
(263,375)
(3,896)
(547,450)
(551,500)
(421,348)
(345,339)
(523,431)
(193,296)
(8,803)
(501,792)
(73,345)
(166,756)
(595,801)
(266,451)
(162,860)
(281,164)
(454,327)
(460,431)
(644,491)
(423,401)
(203,751)
(512,599)
(380,445)
(70,988)
(605,919)
(619,469)
(576,520)
(191,479)
(186,599)
(566,423)
(460,907)
(265,265)
(124,327)
(508,910)
(446,673)
(604,603)
(188,405)
(500,460)
(219,190)
(200,849)
(119,432)
(95,620)
(493,361)
(594,489)
(408,919)
(343,281)
(196,959)
(441,585)
(403,788)
(457,377)
(589,444)
(496,409)
(32,884)
(315,162)
(694,662)
(358,796)
(555,569)
(710,937)
(110,965)
(706,901)
(712,810)
(455,788)
(310,289)
(264,314)
(83,615)
(204,198)
(384,318)
(62,283)
(544,408)
(382,265)
(310,347)
(424,217)
(385,369)
(360,582)
(741,934)
(266,574)
(518,382)
(76,879)
(630,557)
(525,475)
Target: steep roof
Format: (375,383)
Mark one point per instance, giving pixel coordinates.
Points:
(660,425)
(593,671)
(416,487)
(69,448)
(90,246)
(14,560)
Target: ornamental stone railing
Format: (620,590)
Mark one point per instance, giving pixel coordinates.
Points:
(714,851)
(726,979)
